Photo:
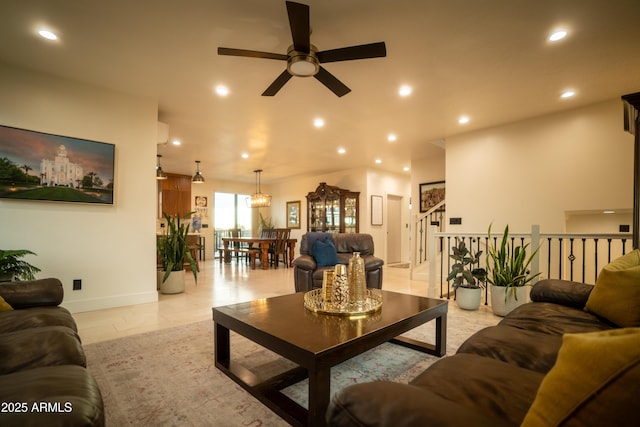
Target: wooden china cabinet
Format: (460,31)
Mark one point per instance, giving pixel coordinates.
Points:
(332,209)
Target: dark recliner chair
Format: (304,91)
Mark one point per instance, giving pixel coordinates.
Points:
(308,276)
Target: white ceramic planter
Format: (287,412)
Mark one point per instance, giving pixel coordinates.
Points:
(174,283)
(501,307)
(468,298)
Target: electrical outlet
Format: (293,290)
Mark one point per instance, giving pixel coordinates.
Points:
(77,284)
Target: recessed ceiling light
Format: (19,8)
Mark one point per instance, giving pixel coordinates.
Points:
(378,161)
(609,212)
(392,137)
(567,94)
(318,122)
(557,35)
(222,90)
(47,34)
(463,120)
(406,168)
(176,142)
(341,150)
(405,90)
(245,155)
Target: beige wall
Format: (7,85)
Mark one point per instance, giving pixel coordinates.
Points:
(533,171)
(367,181)
(111,248)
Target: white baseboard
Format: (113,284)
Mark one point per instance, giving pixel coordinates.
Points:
(92,304)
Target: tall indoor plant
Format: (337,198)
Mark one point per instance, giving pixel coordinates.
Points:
(508,273)
(468,282)
(173,250)
(12,267)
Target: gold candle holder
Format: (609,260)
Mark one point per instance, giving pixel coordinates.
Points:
(340,288)
(327,285)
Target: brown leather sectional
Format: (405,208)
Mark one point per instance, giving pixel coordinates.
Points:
(497,375)
(43,375)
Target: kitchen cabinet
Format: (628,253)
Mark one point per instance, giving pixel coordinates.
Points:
(175,195)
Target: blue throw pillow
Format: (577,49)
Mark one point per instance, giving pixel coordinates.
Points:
(324,251)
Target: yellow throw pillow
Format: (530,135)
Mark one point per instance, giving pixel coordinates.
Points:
(595,381)
(4,306)
(616,296)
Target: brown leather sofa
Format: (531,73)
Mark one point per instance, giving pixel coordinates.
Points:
(43,375)
(498,376)
(307,274)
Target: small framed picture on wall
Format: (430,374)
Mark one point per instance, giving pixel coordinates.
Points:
(293,214)
(376,210)
(431,193)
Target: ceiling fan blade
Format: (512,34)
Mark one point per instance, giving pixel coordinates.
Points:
(277,84)
(300,28)
(364,51)
(251,53)
(330,81)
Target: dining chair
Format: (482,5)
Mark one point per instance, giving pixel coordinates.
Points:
(280,247)
(268,233)
(194,248)
(237,232)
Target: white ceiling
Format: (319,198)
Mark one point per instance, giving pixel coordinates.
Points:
(487,59)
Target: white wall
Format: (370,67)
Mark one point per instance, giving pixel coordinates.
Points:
(533,171)
(110,248)
(380,183)
(367,181)
(297,188)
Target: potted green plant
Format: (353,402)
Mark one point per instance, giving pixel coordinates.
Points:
(468,282)
(508,273)
(173,249)
(12,267)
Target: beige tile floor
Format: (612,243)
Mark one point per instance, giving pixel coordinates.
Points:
(217,285)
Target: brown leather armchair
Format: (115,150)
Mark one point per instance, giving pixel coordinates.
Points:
(307,274)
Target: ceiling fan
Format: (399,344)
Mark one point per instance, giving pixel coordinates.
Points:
(304,59)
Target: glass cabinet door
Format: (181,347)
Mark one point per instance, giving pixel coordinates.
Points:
(351,214)
(333,216)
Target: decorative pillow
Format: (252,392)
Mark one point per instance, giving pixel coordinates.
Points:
(4,306)
(595,381)
(324,251)
(616,296)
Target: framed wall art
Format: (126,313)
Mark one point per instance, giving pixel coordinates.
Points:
(431,193)
(376,210)
(293,214)
(41,166)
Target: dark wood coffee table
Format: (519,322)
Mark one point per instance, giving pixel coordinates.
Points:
(316,342)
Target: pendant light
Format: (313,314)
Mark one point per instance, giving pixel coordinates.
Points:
(258,199)
(197,178)
(159,172)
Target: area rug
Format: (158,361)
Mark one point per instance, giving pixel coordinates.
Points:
(168,377)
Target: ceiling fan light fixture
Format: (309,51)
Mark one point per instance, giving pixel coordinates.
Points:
(258,199)
(303,64)
(197,178)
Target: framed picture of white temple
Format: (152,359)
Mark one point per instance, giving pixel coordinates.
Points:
(42,166)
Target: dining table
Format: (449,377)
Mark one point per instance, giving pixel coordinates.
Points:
(261,243)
